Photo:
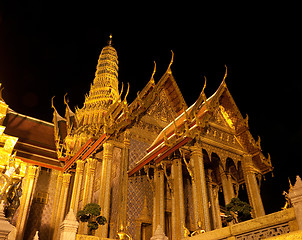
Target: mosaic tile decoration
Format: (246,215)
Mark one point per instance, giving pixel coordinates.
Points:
(137,151)
(138,188)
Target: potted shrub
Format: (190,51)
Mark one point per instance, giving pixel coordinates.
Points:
(91,214)
(238,211)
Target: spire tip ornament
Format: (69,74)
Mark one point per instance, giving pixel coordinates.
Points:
(110,40)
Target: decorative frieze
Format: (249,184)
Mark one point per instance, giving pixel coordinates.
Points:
(265,233)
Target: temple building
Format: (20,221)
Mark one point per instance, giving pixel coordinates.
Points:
(154,166)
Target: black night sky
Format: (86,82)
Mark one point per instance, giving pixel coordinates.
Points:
(47,49)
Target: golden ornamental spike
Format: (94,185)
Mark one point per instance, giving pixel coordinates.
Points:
(172,59)
(125,98)
(204,86)
(154,70)
(66,101)
(52,106)
(1,97)
(226,73)
(121,91)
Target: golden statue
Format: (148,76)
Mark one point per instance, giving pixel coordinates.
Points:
(6,178)
(122,235)
(288,202)
(186,231)
(199,230)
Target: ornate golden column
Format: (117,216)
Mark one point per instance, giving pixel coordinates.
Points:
(29,185)
(123,185)
(252,186)
(216,207)
(178,211)
(105,188)
(88,186)
(213,197)
(55,202)
(227,186)
(201,203)
(74,203)
(62,204)
(89,178)
(158,199)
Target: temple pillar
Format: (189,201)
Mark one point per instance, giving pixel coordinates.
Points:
(88,187)
(227,186)
(201,203)
(252,186)
(62,204)
(55,202)
(74,203)
(178,212)
(89,178)
(216,208)
(123,185)
(105,188)
(213,196)
(29,185)
(158,200)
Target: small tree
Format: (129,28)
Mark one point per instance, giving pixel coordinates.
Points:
(91,214)
(238,211)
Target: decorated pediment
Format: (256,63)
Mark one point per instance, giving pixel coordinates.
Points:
(161,109)
(220,120)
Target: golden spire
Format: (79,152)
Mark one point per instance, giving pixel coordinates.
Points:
(104,90)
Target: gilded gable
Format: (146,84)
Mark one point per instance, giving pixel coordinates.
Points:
(161,109)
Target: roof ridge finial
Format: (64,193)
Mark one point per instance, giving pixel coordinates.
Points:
(172,59)
(154,70)
(110,40)
(226,73)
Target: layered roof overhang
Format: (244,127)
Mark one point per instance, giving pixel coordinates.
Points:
(192,124)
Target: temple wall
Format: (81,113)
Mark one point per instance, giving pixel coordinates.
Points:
(39,217)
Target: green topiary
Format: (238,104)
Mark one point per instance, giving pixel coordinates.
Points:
(92,209)
(93,225)
(101,220)
(90,214)
(238,210)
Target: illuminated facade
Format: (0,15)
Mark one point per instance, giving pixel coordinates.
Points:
(153,162)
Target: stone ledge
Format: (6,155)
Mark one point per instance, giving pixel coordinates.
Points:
(263,222)
(266,221)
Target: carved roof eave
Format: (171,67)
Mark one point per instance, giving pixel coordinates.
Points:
(160,146)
